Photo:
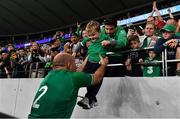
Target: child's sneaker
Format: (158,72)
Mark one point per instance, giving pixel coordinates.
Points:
(93,103)
(84,103)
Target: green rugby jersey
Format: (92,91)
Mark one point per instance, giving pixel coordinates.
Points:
(57,94)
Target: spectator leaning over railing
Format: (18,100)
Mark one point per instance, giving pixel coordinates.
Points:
(117,42)
(169,41)
(134,57)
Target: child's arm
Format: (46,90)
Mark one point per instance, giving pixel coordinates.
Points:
(141,61)
(128,64)
(172,43)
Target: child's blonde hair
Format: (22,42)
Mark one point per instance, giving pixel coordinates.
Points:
(93,26)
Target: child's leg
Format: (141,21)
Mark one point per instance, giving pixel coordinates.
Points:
(92,92)
(87,100)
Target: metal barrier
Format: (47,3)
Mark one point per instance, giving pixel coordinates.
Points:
(164,59)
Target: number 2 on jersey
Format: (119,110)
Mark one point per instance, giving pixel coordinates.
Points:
(44,88)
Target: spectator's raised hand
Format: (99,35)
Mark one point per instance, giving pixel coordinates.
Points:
(154,5)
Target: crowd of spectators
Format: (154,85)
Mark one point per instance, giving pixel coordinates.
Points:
(36,60)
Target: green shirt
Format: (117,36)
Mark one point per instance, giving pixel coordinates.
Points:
(57,94)
(95,49)
(120,36)
(151,71)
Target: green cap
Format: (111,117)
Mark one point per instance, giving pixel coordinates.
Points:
(169,28)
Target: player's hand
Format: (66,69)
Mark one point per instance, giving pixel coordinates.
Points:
(103,61)
(105,43)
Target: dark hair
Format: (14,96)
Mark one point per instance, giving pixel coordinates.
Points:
(55,37)
(74,34)
(54,49)
(12,51)
(21,49)
(132,27)
(133,38)
(10,44)
(110,21)
(4,51)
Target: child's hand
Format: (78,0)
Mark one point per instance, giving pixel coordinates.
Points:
(172,43)
(105,43)
(140,60)
(128,64)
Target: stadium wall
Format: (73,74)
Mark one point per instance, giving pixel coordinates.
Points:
(118,97)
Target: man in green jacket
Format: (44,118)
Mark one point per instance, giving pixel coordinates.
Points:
(118,41)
